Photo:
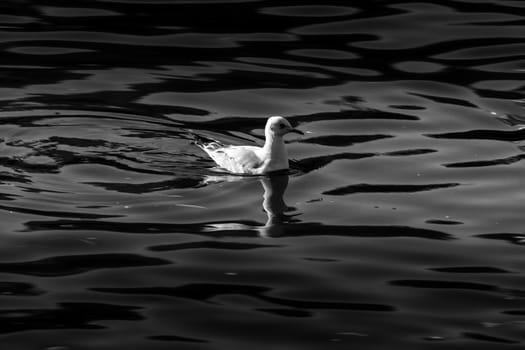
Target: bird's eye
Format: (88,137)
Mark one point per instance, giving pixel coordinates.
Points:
(281,126)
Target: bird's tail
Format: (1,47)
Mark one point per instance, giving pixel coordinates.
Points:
(204,142)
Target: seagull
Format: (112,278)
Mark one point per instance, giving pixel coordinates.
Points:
(253,160)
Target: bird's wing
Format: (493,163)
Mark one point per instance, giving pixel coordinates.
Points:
(237,159)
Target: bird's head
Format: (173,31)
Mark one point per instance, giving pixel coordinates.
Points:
(279,126)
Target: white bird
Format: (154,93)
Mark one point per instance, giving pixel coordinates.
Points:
(254,160)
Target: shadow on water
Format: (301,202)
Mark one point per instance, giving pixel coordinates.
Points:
(67,315)
(206,292)
(279,222)
(238,229)
(71,265)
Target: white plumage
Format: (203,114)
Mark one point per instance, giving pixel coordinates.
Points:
(253,160)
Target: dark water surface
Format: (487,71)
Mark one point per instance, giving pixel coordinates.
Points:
(401,225)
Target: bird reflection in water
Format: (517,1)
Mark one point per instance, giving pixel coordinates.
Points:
(273,204)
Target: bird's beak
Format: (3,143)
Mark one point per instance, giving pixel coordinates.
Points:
(297,131)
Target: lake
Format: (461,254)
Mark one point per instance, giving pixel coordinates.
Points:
(399,226)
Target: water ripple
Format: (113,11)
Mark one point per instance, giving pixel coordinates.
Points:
(75,264)
(368,188)
(68,316)
(233,229)
(497,135)
(207,292)
(209,245)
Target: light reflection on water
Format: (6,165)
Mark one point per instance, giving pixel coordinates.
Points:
(399,225)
